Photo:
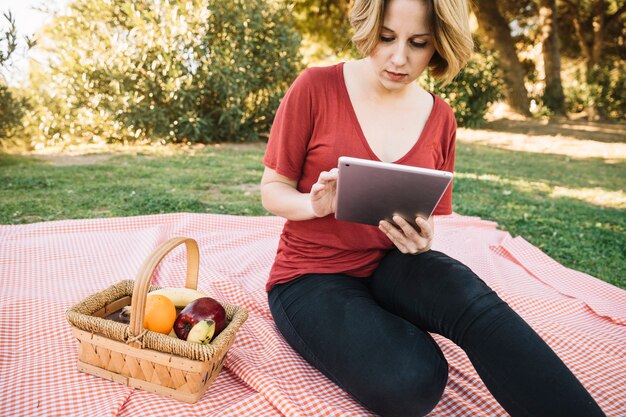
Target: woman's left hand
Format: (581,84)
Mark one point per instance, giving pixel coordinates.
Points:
(406,238)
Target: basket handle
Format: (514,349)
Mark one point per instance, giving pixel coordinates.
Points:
(144,276)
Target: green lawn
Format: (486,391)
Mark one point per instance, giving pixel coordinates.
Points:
(541,197)
(548,199)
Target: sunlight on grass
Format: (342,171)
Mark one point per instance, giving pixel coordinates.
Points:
(545,144)
(596,196)
(617,129)
(103,148)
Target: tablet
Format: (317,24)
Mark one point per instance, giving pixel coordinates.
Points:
(370,191)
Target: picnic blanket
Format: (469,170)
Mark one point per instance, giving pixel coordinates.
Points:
(47,267)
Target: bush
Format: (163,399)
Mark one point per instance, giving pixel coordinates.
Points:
(169,71)
(12,107)
(603,90)
(472,90)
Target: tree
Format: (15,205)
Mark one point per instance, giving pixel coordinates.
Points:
(325,22)
(473,89)
(598,38)
(170,71)
(12,108)
(597,27)
(495,29)
(553,95)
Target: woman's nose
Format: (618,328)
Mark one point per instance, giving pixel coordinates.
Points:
(399,54)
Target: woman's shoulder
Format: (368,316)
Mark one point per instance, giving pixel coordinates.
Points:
(442,106)
(322,75)
(317,83)
(442,110)
(325,70)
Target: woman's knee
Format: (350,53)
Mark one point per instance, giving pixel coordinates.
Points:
(413,390)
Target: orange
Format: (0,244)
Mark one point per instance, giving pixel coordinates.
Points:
(160,314)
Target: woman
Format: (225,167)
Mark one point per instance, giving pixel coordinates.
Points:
(357,301)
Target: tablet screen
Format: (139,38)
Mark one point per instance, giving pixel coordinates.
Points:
(371,191)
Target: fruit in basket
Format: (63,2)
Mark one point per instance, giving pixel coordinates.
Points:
(202,309)
(121,316)
(160,314)
(202,332)
(180,296)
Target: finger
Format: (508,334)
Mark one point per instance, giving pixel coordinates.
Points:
(425,230)
(317,187)
(411,241)
(328,176)
(317,190)
(423,235)
(407,228)
(395,235)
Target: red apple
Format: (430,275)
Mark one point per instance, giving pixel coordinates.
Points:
(205,308)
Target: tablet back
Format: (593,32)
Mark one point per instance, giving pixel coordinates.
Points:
(370,191)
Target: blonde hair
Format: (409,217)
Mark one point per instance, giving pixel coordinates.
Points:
(449,21)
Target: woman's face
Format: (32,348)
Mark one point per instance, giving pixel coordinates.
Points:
(406,44)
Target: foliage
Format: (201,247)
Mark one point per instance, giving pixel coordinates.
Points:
(325,23)
(12,106)
(588,15)
(604,89)
(472,90)
(169,70)
(591,30)
(8,40)
(525,23)
(12,110)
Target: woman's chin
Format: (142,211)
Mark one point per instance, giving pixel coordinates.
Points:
(392,85)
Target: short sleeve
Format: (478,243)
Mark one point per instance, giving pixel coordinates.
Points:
(292,129)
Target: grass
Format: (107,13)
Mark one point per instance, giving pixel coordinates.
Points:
(549,200)
(570,208)
(215,180)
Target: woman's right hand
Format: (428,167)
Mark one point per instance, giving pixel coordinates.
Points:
(324,193)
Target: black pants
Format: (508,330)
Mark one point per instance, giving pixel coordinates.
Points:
(370,336)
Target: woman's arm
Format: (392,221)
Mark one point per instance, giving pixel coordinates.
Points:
(281,197)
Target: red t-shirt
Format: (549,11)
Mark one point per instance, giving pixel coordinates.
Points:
(316,124)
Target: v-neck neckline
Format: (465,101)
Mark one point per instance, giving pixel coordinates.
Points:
(359,129)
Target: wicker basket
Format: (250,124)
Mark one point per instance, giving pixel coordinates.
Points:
(130,355)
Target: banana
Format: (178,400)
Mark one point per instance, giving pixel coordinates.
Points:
(180,296)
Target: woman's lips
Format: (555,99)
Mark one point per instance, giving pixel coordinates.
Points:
(395,76)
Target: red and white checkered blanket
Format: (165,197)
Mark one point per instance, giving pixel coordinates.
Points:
(47,267)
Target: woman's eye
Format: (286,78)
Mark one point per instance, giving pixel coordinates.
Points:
(419,44)
(386,39)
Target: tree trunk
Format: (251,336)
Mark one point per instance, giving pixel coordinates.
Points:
(597,48)
(496,30)
(553,94)
(585,49)
(591,33)
(598,32)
